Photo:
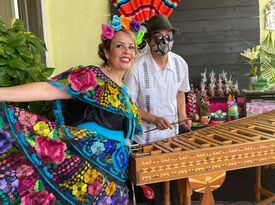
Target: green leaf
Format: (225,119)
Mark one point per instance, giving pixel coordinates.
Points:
(3,27)
(36,41)
(25,52)
(14,73)
(9,50)
(17,25)
(34,73)
(37,57)
(16,39)
(2,52)
(18,63)
(3,61)
(47,72)
(4,78)
(3,39)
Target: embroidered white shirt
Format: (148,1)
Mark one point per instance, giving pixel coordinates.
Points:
(155,90)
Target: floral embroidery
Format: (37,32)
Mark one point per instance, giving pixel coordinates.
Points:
(84,166)
(114,100)
(94,188)
(8,184)
(79,189)
(24,171)
(1,122)
(110,147)
(105,201)
(120,158)
(97,148)
(118,199)
(25,187)
(49,150)
(82,79)
(90,175)
(112,89)
(5,141)
(41,128)
(134,110)
(39,198)
(26,118)
(110,189)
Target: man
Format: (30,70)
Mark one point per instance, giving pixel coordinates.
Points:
(158,84)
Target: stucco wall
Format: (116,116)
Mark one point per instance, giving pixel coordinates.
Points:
(73,31)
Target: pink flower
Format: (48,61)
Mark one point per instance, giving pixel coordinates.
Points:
(107,32)
(27,119)
(25,187)
(82,79)
(49,150)
(39,198)
(24,171)
(94,188)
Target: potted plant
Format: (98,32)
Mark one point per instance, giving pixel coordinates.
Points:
(262,60)
(204,108)
(252,57)
(20,61)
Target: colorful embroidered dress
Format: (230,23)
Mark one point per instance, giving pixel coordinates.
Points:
(70,161)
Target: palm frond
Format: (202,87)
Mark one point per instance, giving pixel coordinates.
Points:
(267,58)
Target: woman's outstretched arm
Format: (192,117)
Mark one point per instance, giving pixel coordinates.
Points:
(38,91)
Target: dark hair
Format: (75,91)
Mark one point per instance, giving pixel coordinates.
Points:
(105,44)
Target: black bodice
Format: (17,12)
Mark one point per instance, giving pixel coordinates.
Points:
(76,112)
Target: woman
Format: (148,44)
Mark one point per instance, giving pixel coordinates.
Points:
(81,158)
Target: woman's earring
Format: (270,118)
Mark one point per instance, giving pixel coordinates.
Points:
(108,65)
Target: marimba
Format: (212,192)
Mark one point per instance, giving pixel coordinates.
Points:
(243,143)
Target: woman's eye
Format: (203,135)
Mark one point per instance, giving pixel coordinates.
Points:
(132,47)
(119,46)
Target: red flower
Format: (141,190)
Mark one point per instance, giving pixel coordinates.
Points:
(39,198)
(49,150)
(94,188)
(82,79)
(24,171)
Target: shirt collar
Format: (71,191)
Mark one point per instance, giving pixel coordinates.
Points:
(156,68)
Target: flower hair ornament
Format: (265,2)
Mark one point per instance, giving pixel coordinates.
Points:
(118,23)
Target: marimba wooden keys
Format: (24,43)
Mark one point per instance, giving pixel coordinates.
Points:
(243,143)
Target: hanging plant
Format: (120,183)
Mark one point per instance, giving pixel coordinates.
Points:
(20,61)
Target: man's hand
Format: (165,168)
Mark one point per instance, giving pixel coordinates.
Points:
(186,123)
(162,123)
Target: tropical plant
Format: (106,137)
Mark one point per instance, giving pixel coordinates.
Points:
(20,60)
(252,58)
(267,57)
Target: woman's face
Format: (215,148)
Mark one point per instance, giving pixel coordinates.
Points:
(122,51)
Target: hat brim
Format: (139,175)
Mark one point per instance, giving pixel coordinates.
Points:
(147,34)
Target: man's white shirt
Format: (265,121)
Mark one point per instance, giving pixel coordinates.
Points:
(155,90)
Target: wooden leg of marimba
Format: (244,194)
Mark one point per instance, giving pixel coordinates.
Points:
(258,185)
(185,192)
(180,189)
(166,191)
